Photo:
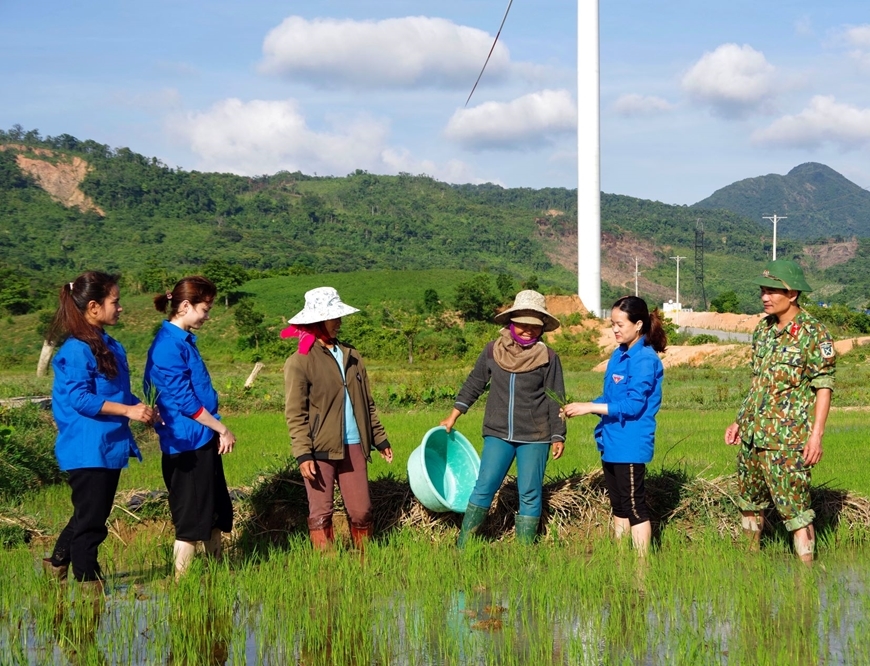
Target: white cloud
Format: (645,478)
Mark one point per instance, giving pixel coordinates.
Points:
(400,52)
(857,38)
(640,105)
(399,160)
(733,80)
(858,35)
(823,121)
(527,121)
(260,137)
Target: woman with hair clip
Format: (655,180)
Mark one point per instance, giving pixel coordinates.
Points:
(626,432)
(192,437)
(92,405)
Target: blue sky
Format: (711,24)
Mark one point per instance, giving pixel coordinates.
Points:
(693,95)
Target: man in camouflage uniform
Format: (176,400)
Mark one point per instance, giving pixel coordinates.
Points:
(780,426)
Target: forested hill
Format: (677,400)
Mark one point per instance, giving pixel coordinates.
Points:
(153,215)
(68,205)
(818,201)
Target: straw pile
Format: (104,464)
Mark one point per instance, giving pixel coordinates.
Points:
(575,506)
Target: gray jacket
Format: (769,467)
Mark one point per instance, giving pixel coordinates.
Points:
(517,408)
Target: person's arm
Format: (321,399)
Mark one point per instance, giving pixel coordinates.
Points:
(450,421)
(583,408)
(555,382)
(173,379)
(77,370)
(475,384)
(813,448)
(379,434)
(296,392)
(821,368)
(137,412)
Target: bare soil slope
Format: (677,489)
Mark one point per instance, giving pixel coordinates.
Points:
(60,177)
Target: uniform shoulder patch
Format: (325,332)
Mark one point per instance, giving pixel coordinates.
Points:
(827,349)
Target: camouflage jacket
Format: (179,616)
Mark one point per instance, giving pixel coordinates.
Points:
(787,368)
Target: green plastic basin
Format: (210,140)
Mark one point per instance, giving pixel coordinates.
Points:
(442,471)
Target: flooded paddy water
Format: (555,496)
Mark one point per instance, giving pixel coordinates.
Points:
(416,602)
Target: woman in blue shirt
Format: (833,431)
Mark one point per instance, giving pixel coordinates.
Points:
(192,437)
(626,432)
(92,406)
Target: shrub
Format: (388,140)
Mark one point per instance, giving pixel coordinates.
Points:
(26,451)
(701,339)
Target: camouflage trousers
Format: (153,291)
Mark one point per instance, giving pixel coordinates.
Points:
(764,474)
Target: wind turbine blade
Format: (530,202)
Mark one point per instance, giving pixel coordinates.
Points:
(495,41)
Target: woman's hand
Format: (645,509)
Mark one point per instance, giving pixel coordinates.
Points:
(309,470)
(140,412)
(226,442)
(387,454)
(576,409)
(450,421)
(558,449)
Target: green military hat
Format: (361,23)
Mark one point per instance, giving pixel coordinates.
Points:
(783,274)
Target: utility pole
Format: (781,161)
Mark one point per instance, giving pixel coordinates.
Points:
(774,219)
(700,294)
(678,259)
(636,273)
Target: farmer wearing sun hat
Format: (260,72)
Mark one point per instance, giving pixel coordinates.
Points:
(331,417)
(520,422)
(780,426)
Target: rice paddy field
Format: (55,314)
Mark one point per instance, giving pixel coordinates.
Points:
(577,597)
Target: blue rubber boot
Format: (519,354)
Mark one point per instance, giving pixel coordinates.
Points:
(474,517)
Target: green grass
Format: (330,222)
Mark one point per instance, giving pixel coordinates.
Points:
(569,601)
(417,602)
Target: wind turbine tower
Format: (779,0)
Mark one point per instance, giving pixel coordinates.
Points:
(588,157)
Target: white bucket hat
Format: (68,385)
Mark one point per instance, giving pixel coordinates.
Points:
(321,304)
(529,307)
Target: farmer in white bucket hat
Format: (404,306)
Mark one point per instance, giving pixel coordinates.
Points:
(521,421)
(331,417)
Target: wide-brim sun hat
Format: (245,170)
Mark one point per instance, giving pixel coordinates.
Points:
(321,304)
(529,307)
(783,274)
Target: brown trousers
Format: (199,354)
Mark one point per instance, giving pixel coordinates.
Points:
(352,477)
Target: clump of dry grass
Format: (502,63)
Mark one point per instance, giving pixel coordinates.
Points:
(575,506)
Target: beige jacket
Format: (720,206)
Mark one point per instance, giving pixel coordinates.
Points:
(314,404)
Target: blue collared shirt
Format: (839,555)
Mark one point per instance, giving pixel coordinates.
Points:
(86,438)
(177,372)
(633,394)
(351,430)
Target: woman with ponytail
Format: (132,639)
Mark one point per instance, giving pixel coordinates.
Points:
(92,405)
(626,432)
(192,437)
(521,421)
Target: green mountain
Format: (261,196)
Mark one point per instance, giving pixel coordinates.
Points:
(68,205)
(137,216)
(818,201)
